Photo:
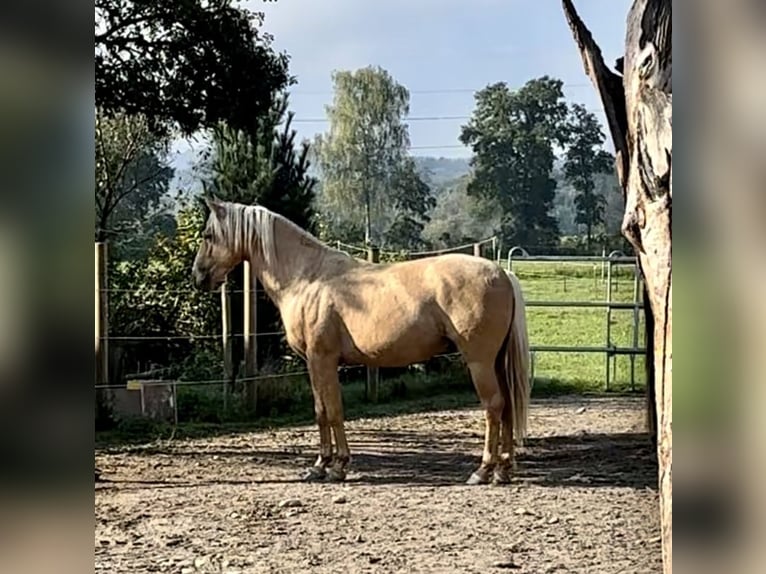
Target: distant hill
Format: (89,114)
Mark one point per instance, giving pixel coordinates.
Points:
(439,171)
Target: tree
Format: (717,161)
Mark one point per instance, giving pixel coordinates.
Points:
(151,297)
(186,64)
(363,159)
(513,134)
(584,160)
(263,165)
(459,218)
(639,111)
(412,200)
(132,173)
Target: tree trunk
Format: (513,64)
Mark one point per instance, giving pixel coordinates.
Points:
(639,110)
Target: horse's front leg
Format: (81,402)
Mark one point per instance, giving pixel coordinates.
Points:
(319,470)
(323,371)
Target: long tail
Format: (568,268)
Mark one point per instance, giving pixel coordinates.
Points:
(517,366)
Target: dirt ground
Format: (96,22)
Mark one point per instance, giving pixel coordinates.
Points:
(583,499)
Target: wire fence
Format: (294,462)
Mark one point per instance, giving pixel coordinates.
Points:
(223,376)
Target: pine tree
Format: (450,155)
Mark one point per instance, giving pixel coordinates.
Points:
(264,166)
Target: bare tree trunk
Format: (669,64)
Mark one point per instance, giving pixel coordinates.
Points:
(639,110)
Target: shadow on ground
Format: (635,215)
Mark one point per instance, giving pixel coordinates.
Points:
(435,459)
(613,460)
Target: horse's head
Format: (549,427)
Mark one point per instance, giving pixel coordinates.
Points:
(217,254)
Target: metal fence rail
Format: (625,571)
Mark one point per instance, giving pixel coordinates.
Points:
(610,351)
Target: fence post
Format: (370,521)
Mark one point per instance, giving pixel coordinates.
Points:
(608,319)
(477,249)
(636,320)
(102,315)
(373,375)
(228,366)
(250,334)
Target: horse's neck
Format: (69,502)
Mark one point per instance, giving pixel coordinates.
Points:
(298,261)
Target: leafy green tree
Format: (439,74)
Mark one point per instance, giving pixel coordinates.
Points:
(185,64)
(151,296)
(585,158)
(412,201)
(513,135)
(363,159)
(132,174)
(264,165)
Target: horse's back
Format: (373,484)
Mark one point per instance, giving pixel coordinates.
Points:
(409,310)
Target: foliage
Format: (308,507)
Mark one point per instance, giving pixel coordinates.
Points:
(188,64)
(412,200)
(366,171)
(584,160)
(132,173)
(513,135)
(264,166)
(459,218)
(153,297)
(332,228)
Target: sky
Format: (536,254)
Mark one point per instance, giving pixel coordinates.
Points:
(441,50)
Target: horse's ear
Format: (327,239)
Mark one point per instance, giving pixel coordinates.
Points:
(215,205)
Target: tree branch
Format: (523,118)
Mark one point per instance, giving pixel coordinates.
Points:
(138,183)
(608,85)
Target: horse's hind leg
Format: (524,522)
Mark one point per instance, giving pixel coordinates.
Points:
(507,463)
(487,387)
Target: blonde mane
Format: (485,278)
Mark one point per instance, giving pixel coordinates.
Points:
(246,226)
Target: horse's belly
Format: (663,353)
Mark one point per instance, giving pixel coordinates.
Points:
(394,346)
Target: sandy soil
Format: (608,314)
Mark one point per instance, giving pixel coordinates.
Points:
(583,499)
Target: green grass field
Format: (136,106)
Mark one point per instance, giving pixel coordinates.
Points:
(546,281)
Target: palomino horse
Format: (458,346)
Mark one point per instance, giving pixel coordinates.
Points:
(339,310)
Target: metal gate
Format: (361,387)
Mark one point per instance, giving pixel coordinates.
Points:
(610,350)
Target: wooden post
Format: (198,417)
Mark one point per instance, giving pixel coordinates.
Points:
(373,375)
(102,315)
(250,333)
(228,366)
(477,249)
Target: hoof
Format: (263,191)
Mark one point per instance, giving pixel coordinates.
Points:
(477,477)
(501,476)
(314,474)
(336,474)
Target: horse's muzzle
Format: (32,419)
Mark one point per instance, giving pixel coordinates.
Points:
(205,281)
(201,279)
